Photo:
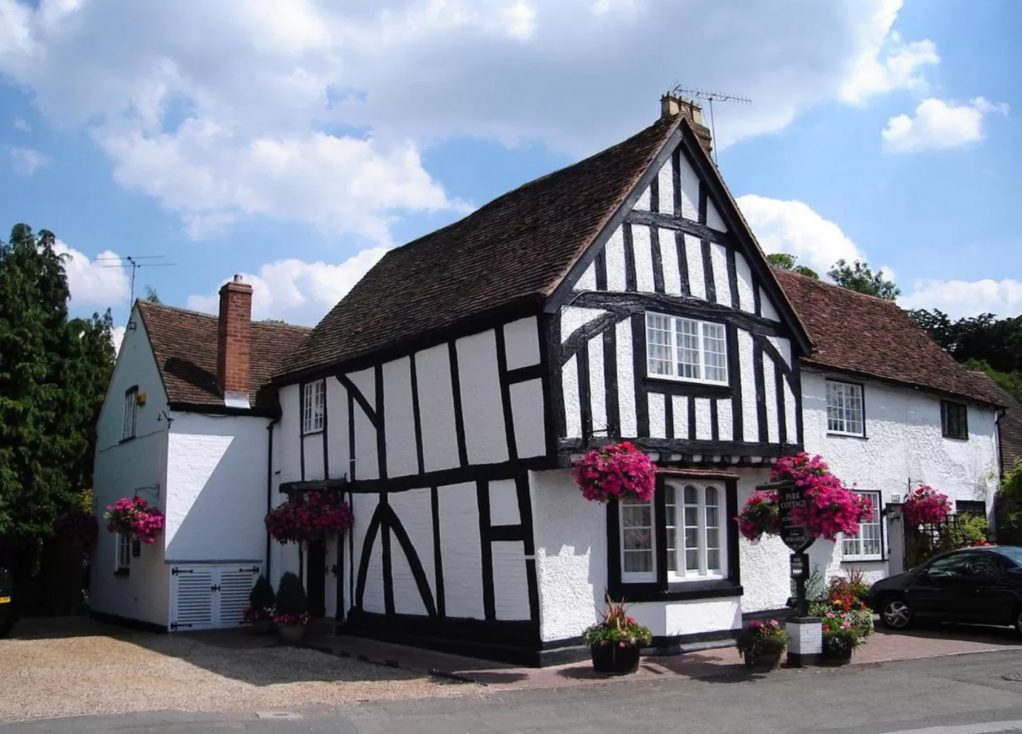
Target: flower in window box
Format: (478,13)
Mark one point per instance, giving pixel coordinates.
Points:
(614,472)
(134,517)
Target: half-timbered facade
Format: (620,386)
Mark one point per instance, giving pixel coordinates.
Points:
(621,298)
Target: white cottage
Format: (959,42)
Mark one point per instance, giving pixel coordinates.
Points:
(184,426)
(623,297)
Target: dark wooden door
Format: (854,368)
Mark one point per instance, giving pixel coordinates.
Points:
(316,585)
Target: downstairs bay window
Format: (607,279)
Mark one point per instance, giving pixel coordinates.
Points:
(679,545)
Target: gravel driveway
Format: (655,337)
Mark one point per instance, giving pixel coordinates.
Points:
(74,666)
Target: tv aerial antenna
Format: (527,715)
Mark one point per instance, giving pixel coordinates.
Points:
(710,97)
(135,262)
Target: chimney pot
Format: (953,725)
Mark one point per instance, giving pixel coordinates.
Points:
(234,341)
(671,106)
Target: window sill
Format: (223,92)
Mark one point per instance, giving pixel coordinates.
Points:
(863,559)
(677,591)
(122,572)
(688,380)
(955,438)
(312,433)
(837,434)
(126,439)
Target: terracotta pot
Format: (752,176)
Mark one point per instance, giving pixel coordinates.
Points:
(615,660)
(292,634)
(764,661)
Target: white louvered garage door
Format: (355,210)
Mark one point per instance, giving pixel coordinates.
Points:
(209,596)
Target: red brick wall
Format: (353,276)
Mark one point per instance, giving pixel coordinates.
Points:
(234,337)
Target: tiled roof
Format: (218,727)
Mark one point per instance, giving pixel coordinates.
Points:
(869,336)
(185,346)
(1010,425)
(514,250)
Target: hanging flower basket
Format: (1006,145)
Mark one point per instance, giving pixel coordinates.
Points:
(309,516)
(133,516)
(830,509)
(926,505)
(615,472)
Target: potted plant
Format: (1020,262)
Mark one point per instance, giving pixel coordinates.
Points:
(291,615)
(762,644)
(840,637)
(133,516)
(615,471)
(615,641)
(261,604)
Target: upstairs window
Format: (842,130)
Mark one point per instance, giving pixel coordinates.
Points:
(845,414)
(130,413)
(685,349)
(954,419)
(313,401)
(867,545)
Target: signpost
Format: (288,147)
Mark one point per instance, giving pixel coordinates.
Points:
(805,632)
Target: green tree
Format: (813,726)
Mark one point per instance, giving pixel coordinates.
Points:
(151,295)
(860,277)
(784,261)
(53,376)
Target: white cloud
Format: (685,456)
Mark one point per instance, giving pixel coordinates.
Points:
(98,283)
(960,298)
(795,228)
(297,291)
(26,161)
(938,125)
(116,337)
(302,111)
(20,123)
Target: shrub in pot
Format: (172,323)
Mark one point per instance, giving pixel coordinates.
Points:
(615,642)
(261,606)
(840,637)
(292,612)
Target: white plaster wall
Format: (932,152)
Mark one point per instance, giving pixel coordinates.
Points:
(597,384)
(119,469)
(769,382)
(436,408)
(689,617)
(527,412)
(569,389)
(337,428)
(485,438)
(725,420)
(746,299)
(460,549)
(521,340)
(696,274)
(713,218)
(657,412)
(680,416)
(399,422)
(504,503)
(689,190)
(704,429)
(615,255)
(313,446)
(750,420)
(510,580)
(625,379)
(287,467)
(587,281)
(573,317)
(367,464)
(414,510)
(721,283)
(903,449)
(642,248)
(669,258)
(363,507)
(665,187)
(767,306)
(764,563)
(216,488)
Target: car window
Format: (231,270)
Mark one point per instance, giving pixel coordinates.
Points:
(955,565)
(983,564)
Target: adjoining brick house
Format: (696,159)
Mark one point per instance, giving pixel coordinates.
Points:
(623,297)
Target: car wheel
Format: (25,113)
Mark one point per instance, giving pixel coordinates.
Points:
(895,613)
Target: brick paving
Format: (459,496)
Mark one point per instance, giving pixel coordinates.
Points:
(882,646)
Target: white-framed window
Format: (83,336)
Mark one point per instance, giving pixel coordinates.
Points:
(845,414)
(130,413)
(686,349)
(695,533)
(638,562)
(313,401)
(122,559)
(868,544)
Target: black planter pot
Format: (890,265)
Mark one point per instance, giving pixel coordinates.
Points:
(764,661)
(615,660)
(836,653)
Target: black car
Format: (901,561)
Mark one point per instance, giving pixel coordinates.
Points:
(975,585)
(6,602)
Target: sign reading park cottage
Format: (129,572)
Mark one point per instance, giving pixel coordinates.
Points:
(794,532)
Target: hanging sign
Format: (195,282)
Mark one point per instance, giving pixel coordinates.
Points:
(794,534)
(799,562)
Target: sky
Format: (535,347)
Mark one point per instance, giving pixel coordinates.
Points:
(295,142)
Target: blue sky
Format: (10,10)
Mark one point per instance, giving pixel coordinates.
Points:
(295,142)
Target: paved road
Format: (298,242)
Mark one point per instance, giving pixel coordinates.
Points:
(970,694)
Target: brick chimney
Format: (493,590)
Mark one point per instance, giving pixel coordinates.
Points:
(670,106)
(234,342)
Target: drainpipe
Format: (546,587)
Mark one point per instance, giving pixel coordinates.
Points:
(269,487)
